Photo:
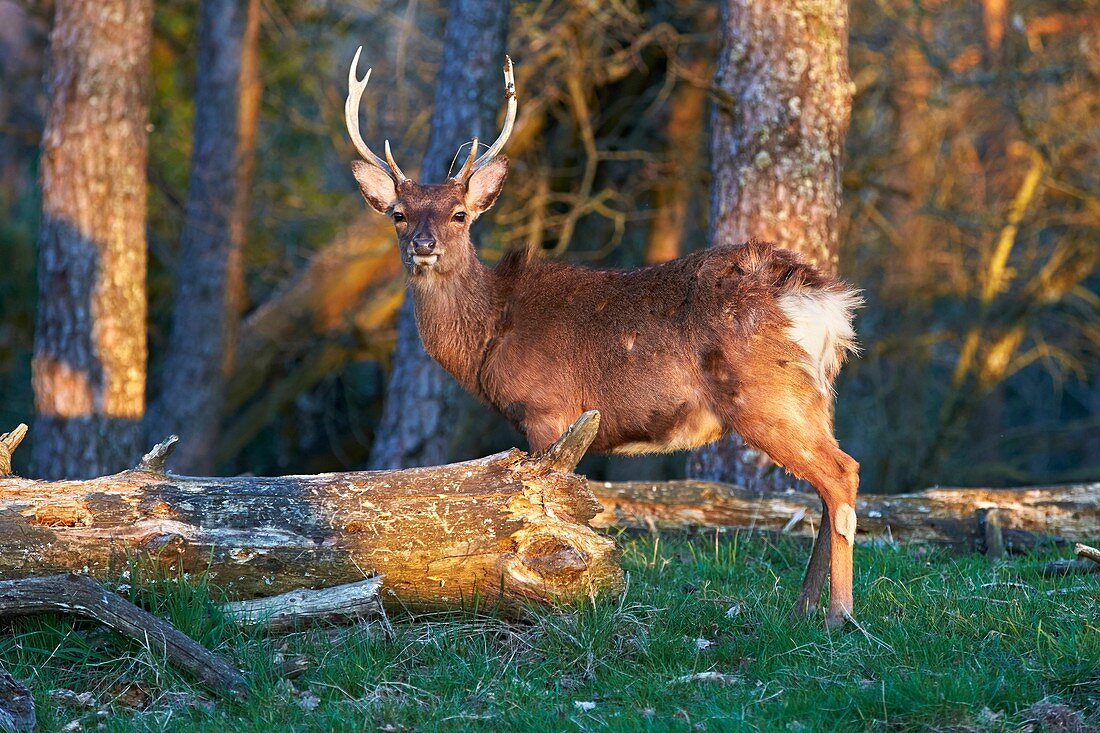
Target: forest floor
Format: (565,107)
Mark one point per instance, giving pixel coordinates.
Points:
(700,641)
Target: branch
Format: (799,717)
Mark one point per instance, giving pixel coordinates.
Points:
(82,596)
(154,460)
(1085,552)
(568,450)
(351,601)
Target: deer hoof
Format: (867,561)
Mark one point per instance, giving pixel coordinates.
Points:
(836,619)
(803,608)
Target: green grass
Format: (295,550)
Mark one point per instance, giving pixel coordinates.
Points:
(946,643)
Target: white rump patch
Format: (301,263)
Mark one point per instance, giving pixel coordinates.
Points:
(821,323)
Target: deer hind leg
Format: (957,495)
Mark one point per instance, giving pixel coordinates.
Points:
(794,428)
(814,580)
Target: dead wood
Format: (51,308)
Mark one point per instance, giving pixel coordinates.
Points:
(8,443)
(1088,561)
(284,612)
(956,517)
(16,705)
(492,534)
(1087,553)
(80,595)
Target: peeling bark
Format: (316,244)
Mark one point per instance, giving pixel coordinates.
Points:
(90,349)
(776,143)
(494,533)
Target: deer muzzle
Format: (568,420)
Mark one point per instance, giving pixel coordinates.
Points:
(424,252)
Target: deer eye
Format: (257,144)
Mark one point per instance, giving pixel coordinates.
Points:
(459,216)
(398,217)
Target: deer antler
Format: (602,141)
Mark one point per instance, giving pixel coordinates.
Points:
(471,165)
(351,119)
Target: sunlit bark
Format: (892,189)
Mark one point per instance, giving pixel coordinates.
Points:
(90,347)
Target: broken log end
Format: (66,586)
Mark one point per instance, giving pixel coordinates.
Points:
(154,461)
(568,450)
(8,443)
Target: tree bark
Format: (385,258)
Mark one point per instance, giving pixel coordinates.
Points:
(421,398)
(90,347)
(956,517)
(209,274)
(490,534)
(16,705)
(776,142)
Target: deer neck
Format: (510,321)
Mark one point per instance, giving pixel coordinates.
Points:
(456,315)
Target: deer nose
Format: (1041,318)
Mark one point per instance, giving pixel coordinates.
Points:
(423,246)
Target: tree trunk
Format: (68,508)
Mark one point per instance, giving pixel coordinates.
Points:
(90,349)
(209,275)
(673,196)
(421,398)
(497,532)
(776,142)
(961,518)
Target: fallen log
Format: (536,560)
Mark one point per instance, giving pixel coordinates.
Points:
(490,534)
(318,305)
(962,518)
(82,596)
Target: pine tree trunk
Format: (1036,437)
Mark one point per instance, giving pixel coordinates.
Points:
(672,198)
(421,398)
(209,273)
(776,145)
(90,349)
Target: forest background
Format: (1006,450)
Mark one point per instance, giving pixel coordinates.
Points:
(970,219)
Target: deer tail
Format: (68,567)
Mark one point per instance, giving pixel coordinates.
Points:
(821,324)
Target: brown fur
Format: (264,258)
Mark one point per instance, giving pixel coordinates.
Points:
(673,356)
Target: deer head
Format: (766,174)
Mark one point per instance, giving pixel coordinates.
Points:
(432,220)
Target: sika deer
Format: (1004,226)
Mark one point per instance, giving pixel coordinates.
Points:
(744,339)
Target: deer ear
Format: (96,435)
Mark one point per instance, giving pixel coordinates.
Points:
(376,185)
(485,185)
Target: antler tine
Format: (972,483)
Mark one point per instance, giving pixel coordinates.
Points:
(468,166)
(509,119)
(398,175)
(351,120)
